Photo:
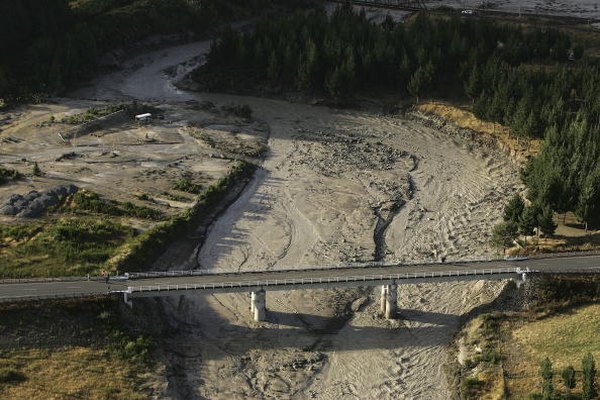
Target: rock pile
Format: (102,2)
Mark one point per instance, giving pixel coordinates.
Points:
(34,203)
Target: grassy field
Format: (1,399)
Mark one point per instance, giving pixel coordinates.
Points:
(63,246)
(564,338)
(522,341)
(69,350)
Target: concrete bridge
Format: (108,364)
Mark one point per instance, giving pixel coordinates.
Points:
(388,276)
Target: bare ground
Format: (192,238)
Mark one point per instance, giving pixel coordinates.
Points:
(336,186)
(329,181)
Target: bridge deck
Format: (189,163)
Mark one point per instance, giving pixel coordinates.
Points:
(296,279)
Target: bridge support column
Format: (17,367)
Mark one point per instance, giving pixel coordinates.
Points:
(523,277)
(258,306)
(389,300)
(127,300)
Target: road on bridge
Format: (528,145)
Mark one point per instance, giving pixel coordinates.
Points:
(295,279)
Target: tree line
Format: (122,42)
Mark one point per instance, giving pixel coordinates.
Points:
(345,52)
(531,79)
(48,44)
(588,385)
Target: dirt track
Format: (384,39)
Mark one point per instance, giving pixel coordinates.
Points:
(336,186)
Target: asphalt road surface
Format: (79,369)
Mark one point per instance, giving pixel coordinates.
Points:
(294,279)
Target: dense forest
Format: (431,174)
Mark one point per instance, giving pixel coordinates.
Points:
(531,79)
(47,44)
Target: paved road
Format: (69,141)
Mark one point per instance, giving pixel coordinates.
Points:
(296,279)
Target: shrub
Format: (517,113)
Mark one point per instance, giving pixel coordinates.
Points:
(9,375)
(36,169)
(470,387)
(186,185)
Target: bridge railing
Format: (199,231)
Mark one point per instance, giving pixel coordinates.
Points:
(302,268)
(323,280)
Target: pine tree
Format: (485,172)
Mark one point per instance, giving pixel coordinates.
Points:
(589,377)
(514,209)
(568,375)
(547,385)
(504,234)
(528,221)
(273,68)
(545,221)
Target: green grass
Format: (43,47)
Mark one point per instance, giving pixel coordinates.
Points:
(67,246)
(564,338)
(85,200)
(186,185)
(82,244)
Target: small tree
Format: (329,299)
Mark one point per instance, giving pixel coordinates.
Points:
(504,234)
(528,221)
(547,385)
(568,376)
(545,220)
(514,209)
(36,169)
(589,377)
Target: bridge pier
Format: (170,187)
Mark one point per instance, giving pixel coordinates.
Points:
(389,300)
(523,275)
(258,305)
(127,300)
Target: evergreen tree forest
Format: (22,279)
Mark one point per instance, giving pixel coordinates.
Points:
(533,80)
(48,44)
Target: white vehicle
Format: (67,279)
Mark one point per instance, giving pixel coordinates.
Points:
(468,12)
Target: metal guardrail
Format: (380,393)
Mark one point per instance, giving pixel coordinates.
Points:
(304,268)
(324,280)
(57,279)
(34,297)
(371,264)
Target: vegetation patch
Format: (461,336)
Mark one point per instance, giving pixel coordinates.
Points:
(64,247)
(186,185)
(70,349)
(91,114)
(10,375)
(141,251)
(7,175)
(86,200)
(536,354)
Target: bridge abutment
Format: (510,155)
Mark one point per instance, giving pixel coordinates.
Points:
(389,300)
(258,305)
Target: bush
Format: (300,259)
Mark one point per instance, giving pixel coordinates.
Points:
(7,175)
(470,387)
(36,170)
(137,350)
(9,375)
(491,355)
(186,185)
